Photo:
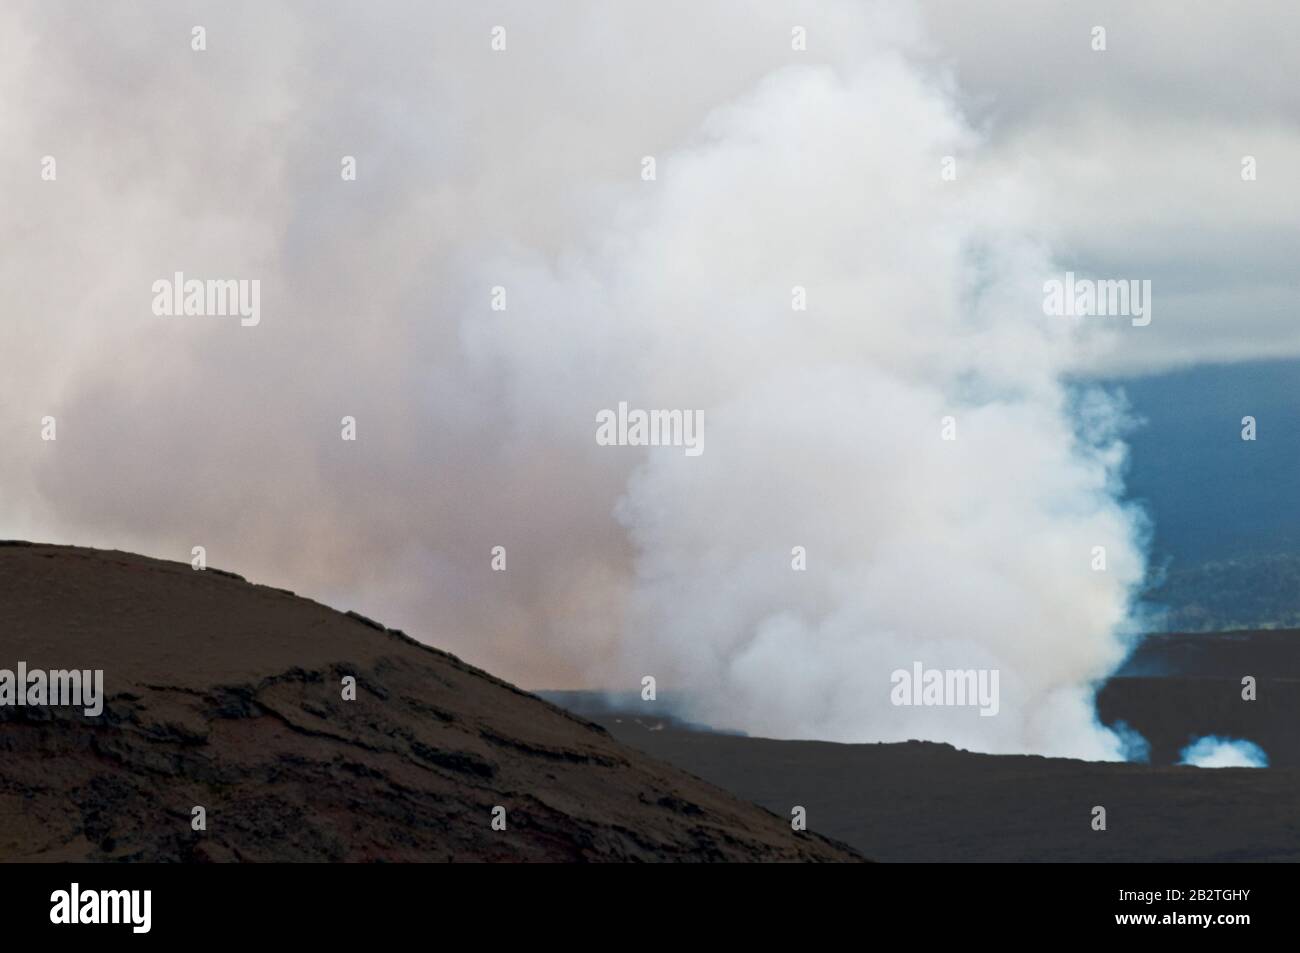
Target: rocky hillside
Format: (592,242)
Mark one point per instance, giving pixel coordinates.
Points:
(228,696)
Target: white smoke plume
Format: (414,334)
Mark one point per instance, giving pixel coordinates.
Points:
(522,170)
(1212,751)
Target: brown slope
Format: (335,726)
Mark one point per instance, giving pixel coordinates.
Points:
(227,695)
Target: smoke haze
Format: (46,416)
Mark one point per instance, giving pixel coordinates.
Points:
(475,428)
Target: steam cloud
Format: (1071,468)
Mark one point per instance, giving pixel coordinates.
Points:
(1215,752)
(476,428)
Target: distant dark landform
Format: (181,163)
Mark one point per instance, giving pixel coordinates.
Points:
(1225,511)
(1222,595)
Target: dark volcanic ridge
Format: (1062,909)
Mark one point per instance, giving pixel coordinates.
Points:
(228,695)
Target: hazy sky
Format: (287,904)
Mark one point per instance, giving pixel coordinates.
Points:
(522,168)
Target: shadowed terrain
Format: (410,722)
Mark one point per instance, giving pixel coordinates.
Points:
(1181,686)
(932,802)
(227,695)
(920,801)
